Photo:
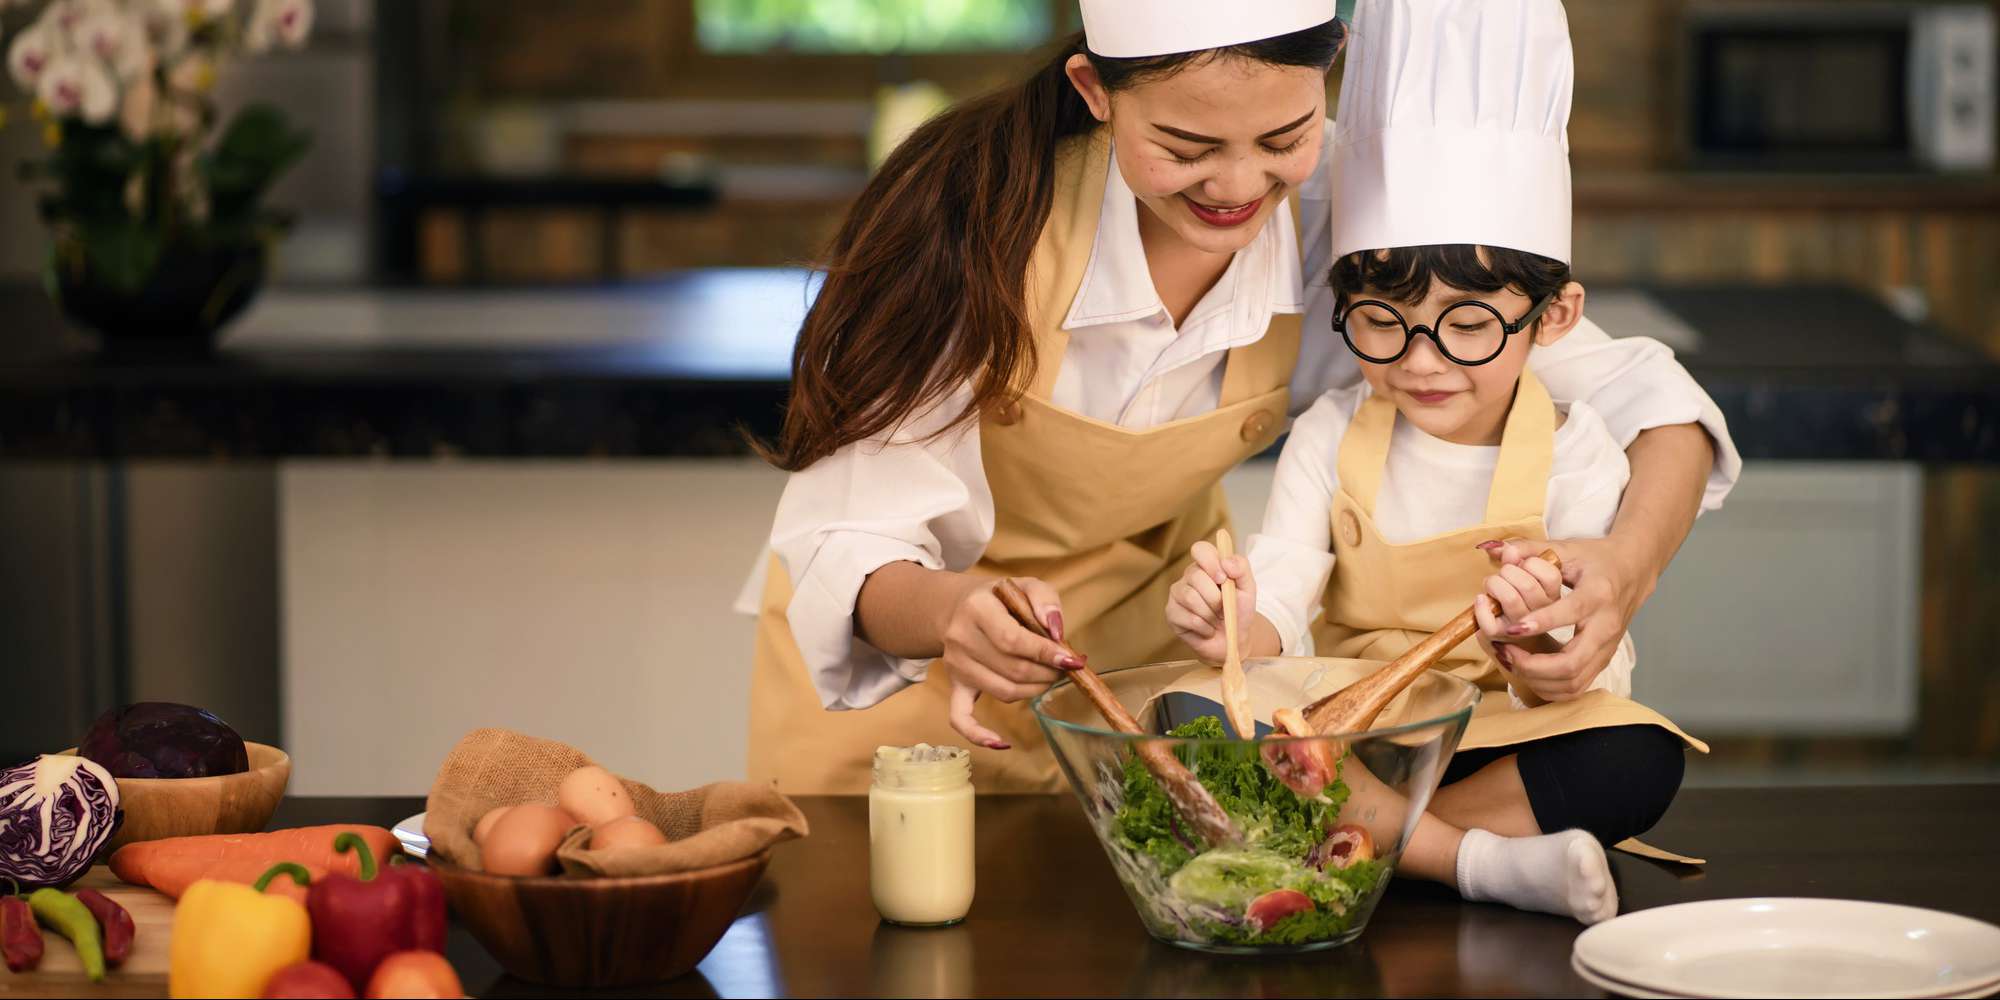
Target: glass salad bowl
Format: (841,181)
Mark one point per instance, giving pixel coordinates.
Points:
(1307,871)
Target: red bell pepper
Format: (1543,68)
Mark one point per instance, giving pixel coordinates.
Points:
(358,922)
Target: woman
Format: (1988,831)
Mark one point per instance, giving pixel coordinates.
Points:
(1050,324)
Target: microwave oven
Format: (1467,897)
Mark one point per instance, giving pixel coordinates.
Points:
(1840,86)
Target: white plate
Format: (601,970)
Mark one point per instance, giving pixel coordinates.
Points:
(1794,948)
(1613,986)
(1616,988)
(411,833)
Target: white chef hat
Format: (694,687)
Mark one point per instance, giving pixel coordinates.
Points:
(1452,127)
(1125,29)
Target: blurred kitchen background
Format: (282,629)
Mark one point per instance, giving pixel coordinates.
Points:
(473,455)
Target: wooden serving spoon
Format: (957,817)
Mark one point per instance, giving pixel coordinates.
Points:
(1235,690)
(1308,766)
(1193,802)
(1353,708)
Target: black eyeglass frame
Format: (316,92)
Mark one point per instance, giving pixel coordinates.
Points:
(1410,333)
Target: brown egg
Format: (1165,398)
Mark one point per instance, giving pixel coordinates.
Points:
(523,840)
(485,824)
(594,796)
(626,831)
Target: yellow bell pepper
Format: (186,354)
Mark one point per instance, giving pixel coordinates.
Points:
(230,938)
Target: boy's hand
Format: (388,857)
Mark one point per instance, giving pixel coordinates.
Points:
(1194,604)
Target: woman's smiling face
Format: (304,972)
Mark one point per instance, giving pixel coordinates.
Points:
(1213,148)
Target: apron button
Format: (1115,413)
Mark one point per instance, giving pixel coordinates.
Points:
(1007,414)
(1256,425)
(1350,528)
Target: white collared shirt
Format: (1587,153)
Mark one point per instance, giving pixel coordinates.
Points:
(904,498)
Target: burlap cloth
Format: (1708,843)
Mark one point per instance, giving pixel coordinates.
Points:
(705,827)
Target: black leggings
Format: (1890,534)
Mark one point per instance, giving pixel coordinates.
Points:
(1614,782)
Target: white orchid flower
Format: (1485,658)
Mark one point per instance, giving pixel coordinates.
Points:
(78,87)
(116,40)
(30,55)
(62,16)
(279,22)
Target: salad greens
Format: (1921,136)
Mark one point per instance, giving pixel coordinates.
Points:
(1211,890)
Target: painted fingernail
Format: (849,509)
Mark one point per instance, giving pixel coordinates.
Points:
(1055,625)
(1488,546)
(1525,628)
(1068,662)
(997,745)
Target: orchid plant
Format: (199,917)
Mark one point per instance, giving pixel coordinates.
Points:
(123,92)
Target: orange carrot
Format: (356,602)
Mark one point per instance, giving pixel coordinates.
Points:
(173,864)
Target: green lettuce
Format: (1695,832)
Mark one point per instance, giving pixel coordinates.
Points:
(1272,817)
(1279,828)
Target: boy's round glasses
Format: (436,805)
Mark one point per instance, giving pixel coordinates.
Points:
(1467,333)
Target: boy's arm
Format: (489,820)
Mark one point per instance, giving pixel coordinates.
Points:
(1291,554)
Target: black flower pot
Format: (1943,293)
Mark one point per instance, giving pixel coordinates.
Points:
(193,293)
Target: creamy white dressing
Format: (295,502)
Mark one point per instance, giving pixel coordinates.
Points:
(920,840)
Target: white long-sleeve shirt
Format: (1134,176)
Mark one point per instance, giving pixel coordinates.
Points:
(903,498)
(1429,487)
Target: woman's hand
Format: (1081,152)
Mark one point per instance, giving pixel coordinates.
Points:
(988,652)
(1194,604)
(1606,588)
(1509,599)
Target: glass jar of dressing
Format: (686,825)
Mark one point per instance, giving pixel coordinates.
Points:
(920,834)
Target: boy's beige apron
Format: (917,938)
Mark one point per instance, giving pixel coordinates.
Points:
(1102,513)
(1383,598)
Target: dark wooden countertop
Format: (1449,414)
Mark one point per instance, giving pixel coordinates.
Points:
(1050,919)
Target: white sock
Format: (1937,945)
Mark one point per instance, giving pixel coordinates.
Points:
(1561,873)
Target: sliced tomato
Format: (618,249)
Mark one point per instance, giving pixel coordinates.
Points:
(1267,910)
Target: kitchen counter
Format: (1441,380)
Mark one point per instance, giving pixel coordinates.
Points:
(1050,919)
(682,365)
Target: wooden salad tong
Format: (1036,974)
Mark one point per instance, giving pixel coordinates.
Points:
(1352,709)
(1190,800)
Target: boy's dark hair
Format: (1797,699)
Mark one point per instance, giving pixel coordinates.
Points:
(1404,274)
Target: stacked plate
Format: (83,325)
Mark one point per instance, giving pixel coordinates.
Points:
(1791,948)
(410,833)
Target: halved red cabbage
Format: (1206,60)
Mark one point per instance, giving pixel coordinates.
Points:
(160,739)
(56,812)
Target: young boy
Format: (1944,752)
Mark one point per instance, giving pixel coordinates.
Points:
(1451,246)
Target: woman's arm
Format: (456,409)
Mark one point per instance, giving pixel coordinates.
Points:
(914,501)
(1610,577)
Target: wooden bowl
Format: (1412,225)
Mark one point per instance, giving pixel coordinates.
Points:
(596,933)
(158,808)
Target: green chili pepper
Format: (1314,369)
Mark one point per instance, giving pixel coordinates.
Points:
(66,915)
(296,872)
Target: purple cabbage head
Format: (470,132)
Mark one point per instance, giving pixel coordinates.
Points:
(56,812)
(159,739)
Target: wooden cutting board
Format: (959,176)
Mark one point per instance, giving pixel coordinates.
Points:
(144,974)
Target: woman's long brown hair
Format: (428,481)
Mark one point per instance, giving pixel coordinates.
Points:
(926,282)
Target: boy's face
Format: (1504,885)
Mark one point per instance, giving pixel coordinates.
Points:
(1463,404)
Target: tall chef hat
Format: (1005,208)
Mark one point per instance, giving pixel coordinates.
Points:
(1452,127)
(1125,29)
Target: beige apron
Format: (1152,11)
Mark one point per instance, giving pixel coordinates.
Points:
(1104,514)
(1384,598)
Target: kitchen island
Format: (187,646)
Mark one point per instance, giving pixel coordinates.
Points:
(1051,920)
